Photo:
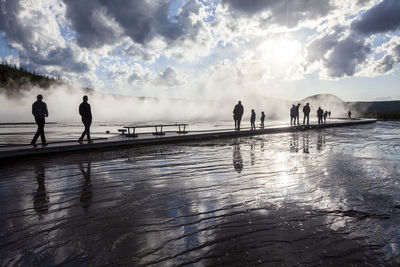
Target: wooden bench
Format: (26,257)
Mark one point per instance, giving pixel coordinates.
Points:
(158,128)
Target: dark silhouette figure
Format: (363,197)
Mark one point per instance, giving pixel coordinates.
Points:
(237,114)
(293,115)
(40,199)
(349,113)
(86,114)
(306,111)
(253,120)
(262,119)
(237,159)
(39,111)
(329,114)
(320,114)
(252,154)
(325,115)
(297,113)
(86,194)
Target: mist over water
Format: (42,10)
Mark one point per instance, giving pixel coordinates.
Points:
(63,103)
(321,197)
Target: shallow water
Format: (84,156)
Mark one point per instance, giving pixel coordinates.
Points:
(322,197)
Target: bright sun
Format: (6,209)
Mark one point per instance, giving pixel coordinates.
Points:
(280,53)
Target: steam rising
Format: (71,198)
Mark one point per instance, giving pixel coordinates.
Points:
(63,101)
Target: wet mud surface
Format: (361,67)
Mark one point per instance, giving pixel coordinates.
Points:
(320,198)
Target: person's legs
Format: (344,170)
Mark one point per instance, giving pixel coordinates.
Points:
(239,124)
(308,119)
(86,131)
(236,124)
(39,131)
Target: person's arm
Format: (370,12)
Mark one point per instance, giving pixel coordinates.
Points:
(33,109)
(81,109)
(46,112)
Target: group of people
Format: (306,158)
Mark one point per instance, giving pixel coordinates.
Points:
(322,115)
(238,113)
(39,111)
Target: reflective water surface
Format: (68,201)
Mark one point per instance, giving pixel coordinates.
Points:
(322,197)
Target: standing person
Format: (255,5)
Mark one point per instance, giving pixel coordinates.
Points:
(237,114)
(39,111)
(297,113)
(86,114)
(253,120)
(325,115)
(349,114)
(320,113)
(262,119)
(306,111)
(293,115)
(329,114)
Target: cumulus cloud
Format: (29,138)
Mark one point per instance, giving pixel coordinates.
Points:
(287,13)
(168,78)
(33,30)
(381,18)
(392,57)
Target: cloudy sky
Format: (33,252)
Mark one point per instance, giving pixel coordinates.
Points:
(288,49)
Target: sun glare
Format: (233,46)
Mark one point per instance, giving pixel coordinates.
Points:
(280,53)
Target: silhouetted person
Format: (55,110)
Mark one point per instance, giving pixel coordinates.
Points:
(325,115)
(320,114)
(86,114)
(262,119)
(293,115)
(306,111)
(86,194)
(349,113)
(253,120)
(237,114)
(40,199)
(39,111)
(237,159)
(329,114)
(297,113)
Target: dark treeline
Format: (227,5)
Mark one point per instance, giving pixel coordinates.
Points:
(13,79)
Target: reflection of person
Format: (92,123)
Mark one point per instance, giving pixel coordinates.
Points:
(86,114)
(262,119)
(237,159)
(40,199)
(306,144)
(320,113)
(253,120)
(39,111)
(237,114)
(294,143)
(321,141)
(252,154)
(349,113)
(306,111)
(86,194)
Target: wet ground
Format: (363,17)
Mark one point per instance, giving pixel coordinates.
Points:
(323,197)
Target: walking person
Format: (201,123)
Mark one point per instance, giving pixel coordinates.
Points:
(320,113)
(306,111)
(253,120)
(349,113)
(297,113)
(86,114)
(39,111)
(237,114)
(262,119)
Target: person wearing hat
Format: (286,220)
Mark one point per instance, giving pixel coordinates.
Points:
(39,111)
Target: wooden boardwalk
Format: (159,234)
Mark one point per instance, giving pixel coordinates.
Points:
(22,151)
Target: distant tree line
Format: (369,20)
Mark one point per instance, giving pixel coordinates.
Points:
(13,77)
